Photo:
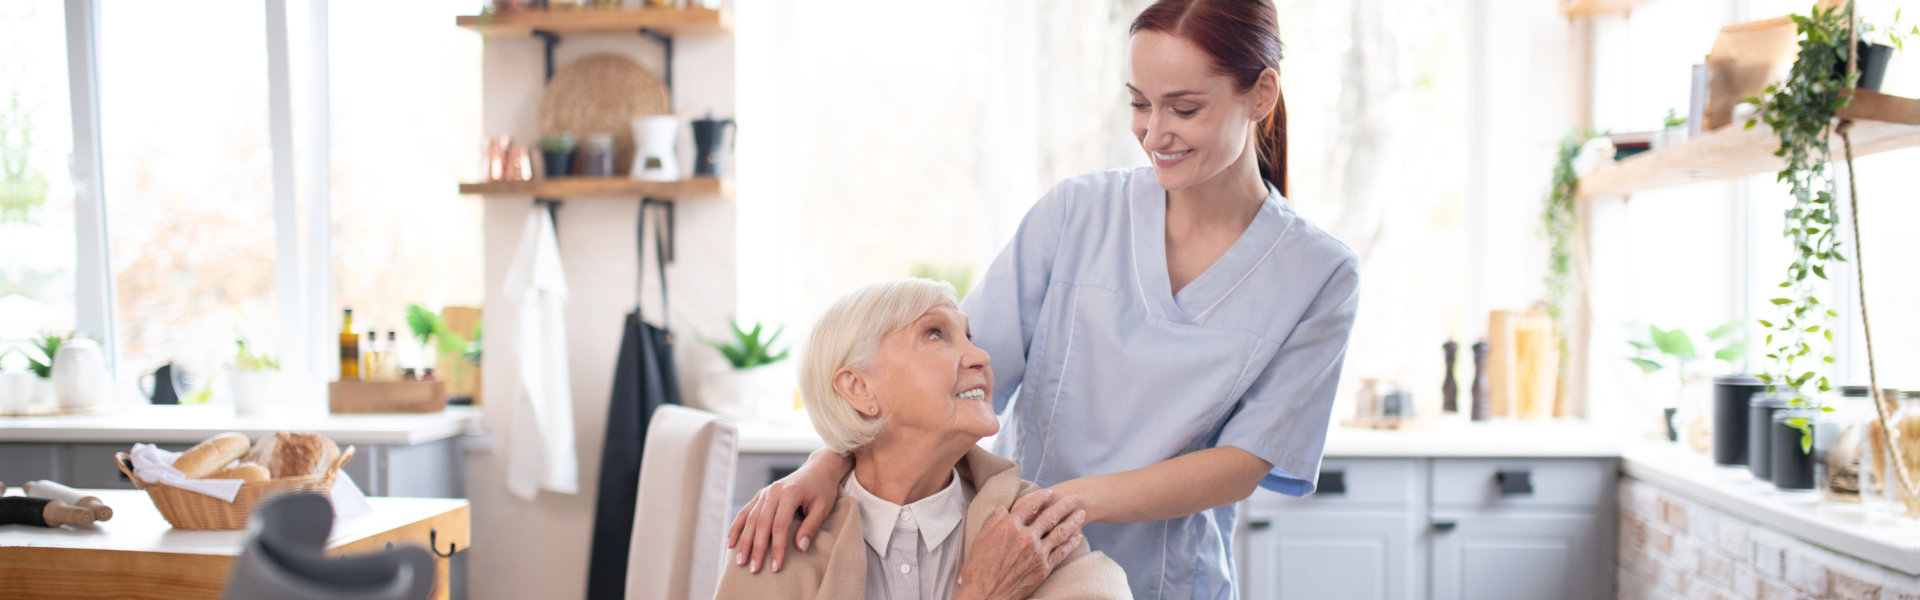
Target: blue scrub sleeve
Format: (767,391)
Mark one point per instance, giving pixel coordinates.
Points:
(1004,308)
(1283,416)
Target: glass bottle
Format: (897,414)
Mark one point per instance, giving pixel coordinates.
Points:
(1906,437)
(392,370)
(349,349)
(1875,491)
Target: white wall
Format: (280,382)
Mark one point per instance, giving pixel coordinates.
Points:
(539,549)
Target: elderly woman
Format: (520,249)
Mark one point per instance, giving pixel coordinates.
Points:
(891,378)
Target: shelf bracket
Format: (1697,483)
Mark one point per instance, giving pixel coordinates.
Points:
(550,39)
(666,47)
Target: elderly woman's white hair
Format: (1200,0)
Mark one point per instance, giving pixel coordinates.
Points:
(847,336)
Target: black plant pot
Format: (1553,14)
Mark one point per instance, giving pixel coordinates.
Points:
(1792,467)
(1731,396)
(1760,434)
(1873,65)
(559,164)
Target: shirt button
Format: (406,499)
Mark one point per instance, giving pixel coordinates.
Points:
(904,517)
(904,569)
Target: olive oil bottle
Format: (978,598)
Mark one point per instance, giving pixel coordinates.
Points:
(349,350)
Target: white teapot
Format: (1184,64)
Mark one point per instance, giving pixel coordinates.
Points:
(80,374)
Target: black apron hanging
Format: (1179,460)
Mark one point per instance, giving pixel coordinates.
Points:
(643,381)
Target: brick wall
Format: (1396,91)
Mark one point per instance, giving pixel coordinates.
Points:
(1671,547)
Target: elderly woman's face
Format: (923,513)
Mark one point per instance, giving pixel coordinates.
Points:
(931,380)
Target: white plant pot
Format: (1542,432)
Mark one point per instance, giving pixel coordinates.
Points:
(252,391)
(43,394)
(763,393)
(16,392)
(80,374)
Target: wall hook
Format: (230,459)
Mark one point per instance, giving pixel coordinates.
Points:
(433,544)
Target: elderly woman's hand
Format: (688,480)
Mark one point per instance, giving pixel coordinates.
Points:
(762,525)
(1018,549)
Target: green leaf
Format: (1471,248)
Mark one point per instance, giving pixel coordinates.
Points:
(1817,270)
(1765,378)
(1781,301)
(1674,342)
(1812,329)
(1731,353)
(1646,366)
(1723,331)
(1765,323)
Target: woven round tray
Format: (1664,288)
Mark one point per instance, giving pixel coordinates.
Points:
(193,510)
(602,93)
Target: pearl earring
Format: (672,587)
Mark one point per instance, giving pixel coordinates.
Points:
(873,410)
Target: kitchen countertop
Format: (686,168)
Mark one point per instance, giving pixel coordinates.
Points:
(1440,438)
(1892,543)
(159,424)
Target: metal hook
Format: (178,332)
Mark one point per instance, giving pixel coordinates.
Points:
(433,544)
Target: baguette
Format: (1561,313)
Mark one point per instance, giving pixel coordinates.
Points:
(209,456)
(250,472)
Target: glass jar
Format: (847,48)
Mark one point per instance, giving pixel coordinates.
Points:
(1875,491)
(1838,445)
(1793,460)
(1906,437)
(596,155)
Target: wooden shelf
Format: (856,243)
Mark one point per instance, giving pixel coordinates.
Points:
(1595,8)
(616,187)
(1880,123)
(668,21)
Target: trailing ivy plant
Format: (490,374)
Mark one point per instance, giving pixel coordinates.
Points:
(1800,110)
(1558,220)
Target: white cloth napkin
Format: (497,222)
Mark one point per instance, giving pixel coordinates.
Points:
(154,465)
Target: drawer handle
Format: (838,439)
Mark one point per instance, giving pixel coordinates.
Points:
(1444,526)
(1331,482)
(1514,483)
(1260,524)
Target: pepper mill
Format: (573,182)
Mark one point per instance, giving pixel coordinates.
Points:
(1450,389)
(1481,408)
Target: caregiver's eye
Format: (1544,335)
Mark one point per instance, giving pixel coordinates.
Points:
(1186,113)
(1138,105)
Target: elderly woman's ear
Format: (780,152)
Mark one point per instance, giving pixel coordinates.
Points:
(852,387)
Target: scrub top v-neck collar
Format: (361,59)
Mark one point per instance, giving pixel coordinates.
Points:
(1147,213)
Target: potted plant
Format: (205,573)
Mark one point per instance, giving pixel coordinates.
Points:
(1693,368)
(755,382)
(1874,56)
(43,389)
(557,152)
(253,377)
(1673,130)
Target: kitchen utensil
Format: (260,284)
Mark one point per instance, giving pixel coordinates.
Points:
(1482,409)
(497,158)
(655,139)
(54,491)
(602,93)
(706,145)
(1450,389)
(80,374)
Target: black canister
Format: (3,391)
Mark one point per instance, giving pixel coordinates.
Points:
(1759,425)
(1792,467)
(1730,398)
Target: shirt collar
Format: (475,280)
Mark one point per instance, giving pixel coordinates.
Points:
(935,516)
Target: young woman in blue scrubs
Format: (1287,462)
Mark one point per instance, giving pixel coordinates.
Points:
(1166,339)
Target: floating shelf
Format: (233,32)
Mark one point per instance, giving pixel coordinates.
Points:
(1880,123)
(615,187)
(1594,8)
(668,21)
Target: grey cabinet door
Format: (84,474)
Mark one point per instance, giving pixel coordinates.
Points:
(1511,555)
(1358,555)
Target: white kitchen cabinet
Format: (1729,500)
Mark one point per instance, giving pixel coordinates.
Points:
(1440,528)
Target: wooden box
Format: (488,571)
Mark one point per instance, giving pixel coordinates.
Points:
(387,396)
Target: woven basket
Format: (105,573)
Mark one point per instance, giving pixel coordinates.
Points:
(193,510)
(603,93)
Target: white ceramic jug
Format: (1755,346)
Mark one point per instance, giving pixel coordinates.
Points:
(80,374)
(655,148)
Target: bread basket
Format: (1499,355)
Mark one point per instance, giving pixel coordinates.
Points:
(193,510)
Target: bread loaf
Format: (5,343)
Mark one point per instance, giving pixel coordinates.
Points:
(250,472)
(209,456)
(288,454)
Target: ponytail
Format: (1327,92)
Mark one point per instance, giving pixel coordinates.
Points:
(1271,139)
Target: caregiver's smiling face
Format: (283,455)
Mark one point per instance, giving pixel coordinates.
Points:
(1191,120)
(931,380)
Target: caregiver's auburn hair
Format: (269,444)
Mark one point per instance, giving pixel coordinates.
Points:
(1243,37)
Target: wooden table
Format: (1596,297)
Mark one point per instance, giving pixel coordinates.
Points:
(137,555)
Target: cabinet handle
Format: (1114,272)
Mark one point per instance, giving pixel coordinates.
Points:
(1260,524)
(1444,526)
(1331,482)
(1514,483)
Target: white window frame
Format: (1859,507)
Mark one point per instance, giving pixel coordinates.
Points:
(304,297)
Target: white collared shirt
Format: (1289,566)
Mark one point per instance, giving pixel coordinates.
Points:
(913,551)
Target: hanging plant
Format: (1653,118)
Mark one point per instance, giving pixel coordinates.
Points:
(1800,110)
(1558,220)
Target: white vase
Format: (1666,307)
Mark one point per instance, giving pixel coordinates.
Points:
(763,393)
(44,394)
(16,392)
(80,374)
(252,391)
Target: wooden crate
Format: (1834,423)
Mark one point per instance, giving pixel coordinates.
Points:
(387,396)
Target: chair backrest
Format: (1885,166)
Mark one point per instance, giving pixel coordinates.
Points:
(680,517)
(285,559)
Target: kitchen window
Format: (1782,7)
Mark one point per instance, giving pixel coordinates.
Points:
(36,190)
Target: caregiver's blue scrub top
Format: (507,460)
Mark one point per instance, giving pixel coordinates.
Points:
(1106,370)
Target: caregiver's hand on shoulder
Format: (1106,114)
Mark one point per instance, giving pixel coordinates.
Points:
(1012,556)
(759,532)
